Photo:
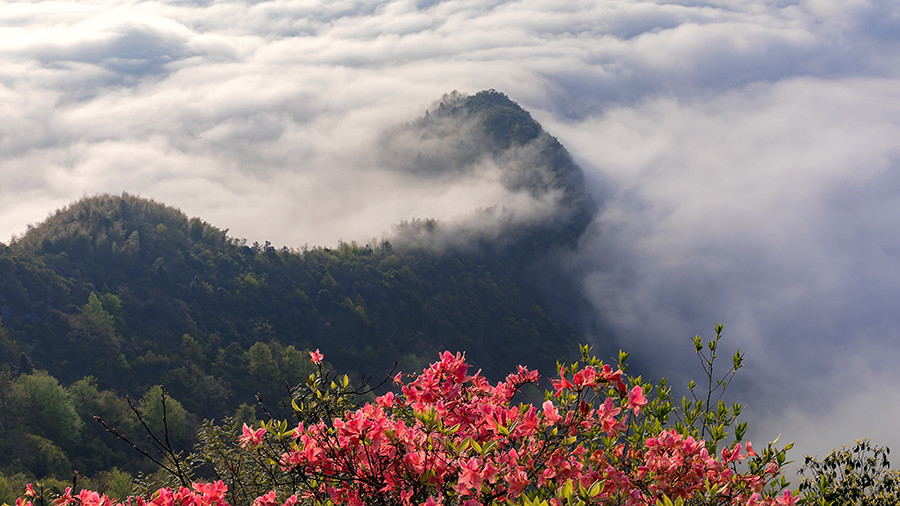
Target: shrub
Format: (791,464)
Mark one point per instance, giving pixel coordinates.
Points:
(447,436)
(858,476)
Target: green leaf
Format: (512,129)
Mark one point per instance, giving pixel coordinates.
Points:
(596,488)
(568,490)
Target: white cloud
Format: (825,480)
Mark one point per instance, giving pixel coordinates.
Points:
(769,208)
(747,150)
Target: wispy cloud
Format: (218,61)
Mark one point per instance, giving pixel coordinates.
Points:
(745,152)
(769,208)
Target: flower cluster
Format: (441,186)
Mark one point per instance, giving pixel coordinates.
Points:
(200,494)
(451,437)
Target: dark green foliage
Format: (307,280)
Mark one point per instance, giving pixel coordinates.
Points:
(502,119)
(98,450)
(43,457)
(360,304)
(48,407)
(167,417)
(11,487)
(857,476)
(113,295)
(115,483)
(465,134)
(321,396)
(217,321)
(46,429)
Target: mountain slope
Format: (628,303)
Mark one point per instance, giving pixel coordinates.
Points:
(363,305)
(121,293)
(489,133)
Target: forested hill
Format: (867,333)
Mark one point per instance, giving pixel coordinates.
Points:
(115,294)
(465,134)
(166,283)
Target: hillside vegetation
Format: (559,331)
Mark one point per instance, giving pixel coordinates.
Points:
(116,294)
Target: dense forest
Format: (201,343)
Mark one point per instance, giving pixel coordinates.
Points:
(115,295)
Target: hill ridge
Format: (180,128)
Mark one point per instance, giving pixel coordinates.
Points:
(119,293)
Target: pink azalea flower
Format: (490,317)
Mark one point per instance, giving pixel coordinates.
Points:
(316,357)
(458,433)
(415,461)
(66,498)
(164,497)
(211,493)
(754,499)
(750,449)
(91,498)
(469,477)
(266,500)
(252,437)
(550,413)
(636,399)
(517,480)
(786,499)
(561,384)
(386,400)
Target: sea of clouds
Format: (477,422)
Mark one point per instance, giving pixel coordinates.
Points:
(746,155)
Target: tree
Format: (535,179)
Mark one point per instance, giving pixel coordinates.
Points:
(112,305)
(166,418)
(49,409)
(95,328)
(44,458)
(97,451)
(857,476)
(295,366)
(261,362)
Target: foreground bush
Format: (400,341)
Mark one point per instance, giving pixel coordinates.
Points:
(448,436)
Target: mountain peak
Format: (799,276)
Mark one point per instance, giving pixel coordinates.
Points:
(489,135)
(502,120)
(105,225)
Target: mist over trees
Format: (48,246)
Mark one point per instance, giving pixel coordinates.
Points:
(115,295)
(122,309)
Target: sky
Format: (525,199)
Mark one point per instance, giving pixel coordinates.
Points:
(745,155)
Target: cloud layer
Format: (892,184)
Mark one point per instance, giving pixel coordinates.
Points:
(745,154)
